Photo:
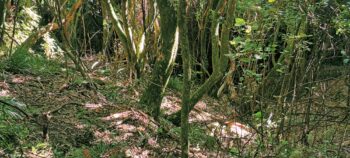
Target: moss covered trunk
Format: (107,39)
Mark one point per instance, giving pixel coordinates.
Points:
(220,47)
(153,94)
(2,19)
(186,61)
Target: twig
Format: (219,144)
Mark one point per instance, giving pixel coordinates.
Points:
(12,38)
(61,107)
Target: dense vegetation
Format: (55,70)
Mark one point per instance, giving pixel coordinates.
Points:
(174,78)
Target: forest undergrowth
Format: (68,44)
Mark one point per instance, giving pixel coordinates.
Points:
(174,78)
(67,116)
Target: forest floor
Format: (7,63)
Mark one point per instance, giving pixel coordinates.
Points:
(70,117)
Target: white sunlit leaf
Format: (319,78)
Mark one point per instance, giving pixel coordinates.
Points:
(248,30)
(343,52)
(18,104)
(257,56)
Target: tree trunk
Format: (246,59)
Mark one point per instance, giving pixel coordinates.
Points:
(186,60)
(153,94)
(219,61)
(2,20)
(106,31)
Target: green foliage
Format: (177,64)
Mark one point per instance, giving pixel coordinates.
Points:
(2,65)
(11,108)
(258,115)
(239,22)
(346,57)
(197,136)
(286,150)
(326,149)
(79,81)
(94,151)
(11,133)
(105,72)
(175,83)
(234,151)
(27,63)
(342,22)
(110,92)
(271,41)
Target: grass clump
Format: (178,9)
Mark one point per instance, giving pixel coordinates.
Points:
(24,62)
(198,136)
(176,84)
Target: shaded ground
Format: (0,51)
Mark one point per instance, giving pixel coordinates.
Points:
(70,118)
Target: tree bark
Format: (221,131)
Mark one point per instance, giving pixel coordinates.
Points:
(2,20)
(106,31)
(219,60)
(186,61)
(153,94)
(125,25)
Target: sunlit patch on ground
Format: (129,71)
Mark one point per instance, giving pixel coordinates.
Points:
(4,93)
(92,106)
(18,79)
(136,116)
(230,133)
(2,153)
(137,152)
(126,128)
(4,89)
(153,142)
(4,85)
(104,136)
(128,125)
(171,104)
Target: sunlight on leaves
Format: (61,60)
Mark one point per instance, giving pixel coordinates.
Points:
(239,22)
(258,115)
(248,30)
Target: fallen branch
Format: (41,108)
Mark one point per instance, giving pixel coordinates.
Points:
(15,107)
